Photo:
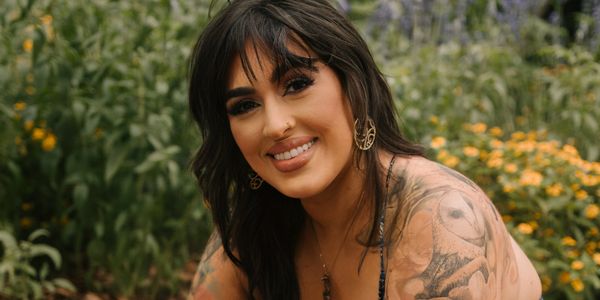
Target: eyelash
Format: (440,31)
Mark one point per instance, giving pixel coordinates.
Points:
(241,107)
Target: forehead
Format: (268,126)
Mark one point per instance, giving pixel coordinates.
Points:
(257,63)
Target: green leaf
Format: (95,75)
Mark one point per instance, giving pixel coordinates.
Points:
(65,284)
(114,161)
(38,233)
(8,240)
(45,250)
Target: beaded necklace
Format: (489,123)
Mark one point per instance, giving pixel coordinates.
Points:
(326,278)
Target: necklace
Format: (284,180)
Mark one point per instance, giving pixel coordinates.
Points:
(326,278)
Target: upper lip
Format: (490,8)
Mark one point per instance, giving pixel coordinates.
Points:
(288,144)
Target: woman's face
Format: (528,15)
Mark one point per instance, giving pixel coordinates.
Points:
(296,132)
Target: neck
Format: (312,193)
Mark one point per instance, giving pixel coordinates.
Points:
(333,210)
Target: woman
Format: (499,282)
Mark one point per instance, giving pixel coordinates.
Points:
(313,191)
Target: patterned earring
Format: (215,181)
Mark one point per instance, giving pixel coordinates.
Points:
(255,180)
(365,139)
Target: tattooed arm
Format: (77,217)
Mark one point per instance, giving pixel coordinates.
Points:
(453,244)
(216,276)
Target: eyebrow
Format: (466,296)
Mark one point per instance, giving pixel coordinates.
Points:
(278,72)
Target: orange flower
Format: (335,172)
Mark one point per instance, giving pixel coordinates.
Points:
(495,162)
(437,142)
(510,168)
(591,211)
(28,45)
(565,277)
(38,134)
(28,125)
(554,190)
(434,120)
(25,222)
(49,142)
(478,128)
(471,151)
(568,241)
(518,135)
(495,143)
(581,194)
(19,106)
(577,285)
(530,177)
(46,19)
(452,161)
(596,258)
(525,228)
(577,265)
(496,131)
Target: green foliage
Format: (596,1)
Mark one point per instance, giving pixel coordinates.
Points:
(20,277)
(96,136)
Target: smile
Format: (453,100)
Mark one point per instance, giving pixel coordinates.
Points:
(294,152)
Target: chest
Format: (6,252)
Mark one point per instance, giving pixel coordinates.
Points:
(346,281)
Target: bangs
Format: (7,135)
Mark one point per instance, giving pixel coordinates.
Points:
(256,33)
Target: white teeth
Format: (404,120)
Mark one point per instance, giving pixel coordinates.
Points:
(294,152)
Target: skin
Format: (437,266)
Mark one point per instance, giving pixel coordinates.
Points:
(445,238)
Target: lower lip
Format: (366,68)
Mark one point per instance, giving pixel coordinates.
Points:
(293,164)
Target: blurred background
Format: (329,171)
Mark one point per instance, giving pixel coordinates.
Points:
(96,197)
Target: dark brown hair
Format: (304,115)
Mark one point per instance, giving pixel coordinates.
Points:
(261,227)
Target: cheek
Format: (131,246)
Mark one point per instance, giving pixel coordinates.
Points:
(244,138)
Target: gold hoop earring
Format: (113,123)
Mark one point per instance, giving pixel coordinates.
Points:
(365,139)
(255,181)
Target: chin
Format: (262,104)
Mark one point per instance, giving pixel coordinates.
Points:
(298,191)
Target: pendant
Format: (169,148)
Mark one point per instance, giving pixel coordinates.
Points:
(326,287)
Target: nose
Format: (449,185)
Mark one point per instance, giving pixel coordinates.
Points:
(278,119)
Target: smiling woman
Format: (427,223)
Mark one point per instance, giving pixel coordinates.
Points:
(313,190)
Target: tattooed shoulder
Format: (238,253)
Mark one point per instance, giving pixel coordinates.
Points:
(216,277)
(451,245)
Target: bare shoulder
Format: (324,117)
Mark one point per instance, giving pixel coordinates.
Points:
(449,241)
(216,276)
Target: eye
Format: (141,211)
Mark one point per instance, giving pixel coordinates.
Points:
(297,84)
(242,107)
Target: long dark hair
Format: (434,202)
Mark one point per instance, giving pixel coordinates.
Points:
(259,228)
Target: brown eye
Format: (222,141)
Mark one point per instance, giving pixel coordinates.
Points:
(242,107)
(297,84)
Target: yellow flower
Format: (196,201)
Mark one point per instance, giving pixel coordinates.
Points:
(590,247)
(38,134)
(581,194)
(28,45)
(25,222)
(437,142)
(442,154)
(495,143)
(568,241)
(26,206)
(577,285)
(565,277)
(478,128)
(18,141)
(596,258)
(575,187)
(518,135)
(452,161)
(471,151)
(525,228)
(28,125)
(46,19)
(494,162)
(593,231)
(548,232)
(530,177)
(546,283)
(19,106)
(434,120)
(30,90)
(592,211)
(510,168)
(496,131)
(49,142)
(554,190)
(570,150)
(507,188)
(506,218)
(577,265)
